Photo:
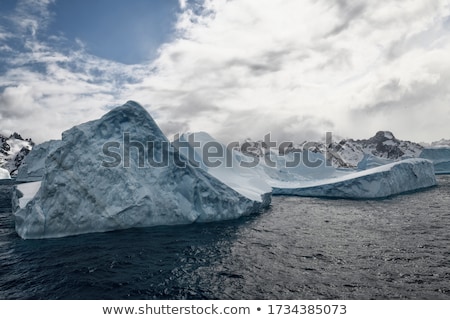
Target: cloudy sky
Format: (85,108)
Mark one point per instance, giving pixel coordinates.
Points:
(236,69)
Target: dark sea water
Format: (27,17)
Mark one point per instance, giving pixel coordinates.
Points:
(300,248)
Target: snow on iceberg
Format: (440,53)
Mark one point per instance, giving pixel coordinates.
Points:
(440,156)
(4,174)
(84,190)
(383,181)
(224,164)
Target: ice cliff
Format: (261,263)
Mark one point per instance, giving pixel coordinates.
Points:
(85,188)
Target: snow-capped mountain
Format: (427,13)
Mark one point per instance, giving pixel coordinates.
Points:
(13,150)
(384,145)
(348,153)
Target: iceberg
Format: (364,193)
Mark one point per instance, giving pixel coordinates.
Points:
(4,174)
(440,156)
(380,182)
(97,180)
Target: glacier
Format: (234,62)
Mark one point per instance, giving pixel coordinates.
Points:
(83,190)
(380,182)
(440,156)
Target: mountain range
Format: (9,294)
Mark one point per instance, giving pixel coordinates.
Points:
(347,153)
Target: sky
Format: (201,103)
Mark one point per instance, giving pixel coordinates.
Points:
(235,69)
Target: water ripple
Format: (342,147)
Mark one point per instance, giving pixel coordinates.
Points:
(301,248)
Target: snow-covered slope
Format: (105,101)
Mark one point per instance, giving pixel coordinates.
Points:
(84,191)
(13,149)
(440,156)
(398,177)
(32,167)
(225,166)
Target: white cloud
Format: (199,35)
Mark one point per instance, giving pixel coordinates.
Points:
(247,67)
(244,68)
(182,4)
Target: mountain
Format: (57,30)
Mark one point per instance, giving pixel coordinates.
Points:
(442,142)
(382,148)
(384,145)
(13,150)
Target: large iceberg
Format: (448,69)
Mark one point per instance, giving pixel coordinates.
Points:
(383,181)
(440,156)
(121,172)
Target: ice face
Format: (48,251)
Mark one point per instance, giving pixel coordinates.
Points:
(440,156)
(383,181)
(84,191)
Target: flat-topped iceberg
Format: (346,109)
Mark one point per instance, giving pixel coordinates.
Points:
(383,181)
(121,172)
(440,156)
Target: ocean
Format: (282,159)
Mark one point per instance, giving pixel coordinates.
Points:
(299,248)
